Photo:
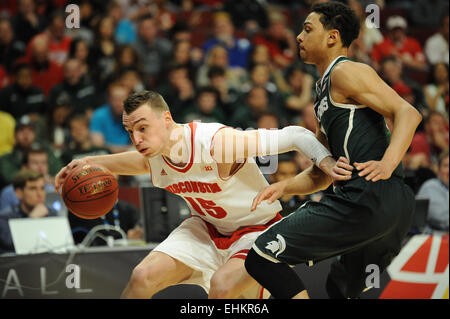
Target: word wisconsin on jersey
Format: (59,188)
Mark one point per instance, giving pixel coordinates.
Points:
(193,187)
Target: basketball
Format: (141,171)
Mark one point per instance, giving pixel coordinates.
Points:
(90,191)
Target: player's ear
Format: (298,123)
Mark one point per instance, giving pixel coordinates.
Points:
(167,118)
(333,37)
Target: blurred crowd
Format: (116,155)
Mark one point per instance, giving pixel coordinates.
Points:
(234,62)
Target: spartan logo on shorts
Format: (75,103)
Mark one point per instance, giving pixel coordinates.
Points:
(277,246)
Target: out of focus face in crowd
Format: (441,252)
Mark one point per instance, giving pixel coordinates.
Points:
(443,170)
(182,52)
(261,55)
(25,137)
(435,124)
(258,99)
(40,49)
(206,102)
(24,78)
(106,28)
(57,28)
(223,26)
(117,94)
(26,6)
(32,194)
(148,30)
(441,73)
(38,162)
(79,130)
(72,71)
(6,32)
(260,74)
(81,50)
(392,70)
(268,121)
(219,57)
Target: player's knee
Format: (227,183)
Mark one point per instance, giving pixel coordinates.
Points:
(221,286)
(144,276)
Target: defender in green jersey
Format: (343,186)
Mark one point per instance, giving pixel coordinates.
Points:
(366,219)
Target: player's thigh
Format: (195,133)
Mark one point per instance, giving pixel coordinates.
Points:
(162,268)
(232,275)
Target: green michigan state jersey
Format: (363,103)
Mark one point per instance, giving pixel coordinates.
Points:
(354,131)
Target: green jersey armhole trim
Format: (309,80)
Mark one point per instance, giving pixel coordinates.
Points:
(341,105)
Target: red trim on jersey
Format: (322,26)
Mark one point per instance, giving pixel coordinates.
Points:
(241,254)
(193,127)
(224,242)
(261,293)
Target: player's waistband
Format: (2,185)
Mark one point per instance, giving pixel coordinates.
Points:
(224,242)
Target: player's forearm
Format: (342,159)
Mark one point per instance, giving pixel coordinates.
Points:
(406,121)
(126,163)
(309,181)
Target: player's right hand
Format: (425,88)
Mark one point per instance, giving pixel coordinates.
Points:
(60,178)
(270,193)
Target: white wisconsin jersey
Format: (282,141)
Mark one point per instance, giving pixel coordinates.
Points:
(224,203)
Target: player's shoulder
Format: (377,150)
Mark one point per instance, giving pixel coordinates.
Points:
(344,74)
(205,132)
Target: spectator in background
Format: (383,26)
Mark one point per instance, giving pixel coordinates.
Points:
(436,46)
(58,42)
(7,123)
(131,78)
(178,90)
(26,22)
(56,127)
(76,89)
(80,144)
(103,51)
(248,15)
(256,103)
(125,32)
(183,55)
(79,49)
(10,48)
(427,145)
(223,33)
(36,159)
(308,117)
(406,49)
(300,93)
(287,168)
(436,92)
(228,95)
(268,120)
(207,107)
(436,190)
(279,40)
(45,73)
(428,13)
(25,139)
(260,75)
(218,56)
(392,73)
(30,190)
(22,97)
(106,122)
(361,48)
(153,51)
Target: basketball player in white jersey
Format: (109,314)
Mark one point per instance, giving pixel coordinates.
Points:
(211,167)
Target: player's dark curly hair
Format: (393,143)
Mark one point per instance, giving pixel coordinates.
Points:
(153,99)
(335,15)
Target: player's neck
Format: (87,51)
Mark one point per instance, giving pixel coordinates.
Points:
(324,63)
(177,151)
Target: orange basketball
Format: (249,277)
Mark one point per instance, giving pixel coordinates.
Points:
(90,191)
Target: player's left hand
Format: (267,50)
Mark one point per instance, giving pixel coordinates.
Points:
(374,170)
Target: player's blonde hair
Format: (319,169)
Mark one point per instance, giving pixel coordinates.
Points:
(153,99)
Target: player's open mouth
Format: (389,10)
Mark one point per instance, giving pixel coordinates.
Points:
(143,150)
